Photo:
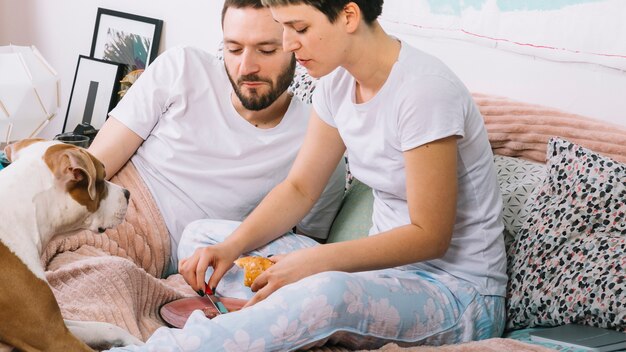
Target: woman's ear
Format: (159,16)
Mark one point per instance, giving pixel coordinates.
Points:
(352,16)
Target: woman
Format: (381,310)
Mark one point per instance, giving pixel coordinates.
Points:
(432,270)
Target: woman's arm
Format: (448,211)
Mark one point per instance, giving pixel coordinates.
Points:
(114,145)
(279,211)
(292,199)
(431,195)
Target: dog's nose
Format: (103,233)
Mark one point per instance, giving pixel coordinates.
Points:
(126,194)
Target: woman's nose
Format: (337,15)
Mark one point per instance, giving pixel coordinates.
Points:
(289,42)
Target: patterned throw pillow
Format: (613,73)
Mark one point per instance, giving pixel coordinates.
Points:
(519,180)
(568,263)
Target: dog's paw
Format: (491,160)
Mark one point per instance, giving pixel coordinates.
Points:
(101,336)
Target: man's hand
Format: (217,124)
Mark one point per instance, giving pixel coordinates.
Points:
(288,269)
(220,257)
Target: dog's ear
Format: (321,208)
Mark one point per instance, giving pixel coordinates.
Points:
(72,164)
(82,167)
(12,149)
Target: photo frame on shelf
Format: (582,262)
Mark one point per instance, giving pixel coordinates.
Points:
(94,92)
(126,38)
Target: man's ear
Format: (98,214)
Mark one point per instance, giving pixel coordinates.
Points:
(352,16)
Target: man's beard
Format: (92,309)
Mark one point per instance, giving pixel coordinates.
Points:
(256,102)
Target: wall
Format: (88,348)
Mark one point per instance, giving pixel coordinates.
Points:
(569,54)
(4,11)
(63,29)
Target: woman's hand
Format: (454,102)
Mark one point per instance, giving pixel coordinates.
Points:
(288,269)
(220,257)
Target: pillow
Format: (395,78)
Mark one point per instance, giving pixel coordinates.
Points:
(519,180)
(568,263)
(354,219)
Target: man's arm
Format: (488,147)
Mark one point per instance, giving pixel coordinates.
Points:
(114,145)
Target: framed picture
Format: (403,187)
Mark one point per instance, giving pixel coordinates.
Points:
(94,92)
(126,38)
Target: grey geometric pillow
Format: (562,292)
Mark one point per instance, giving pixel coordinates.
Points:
(518,179)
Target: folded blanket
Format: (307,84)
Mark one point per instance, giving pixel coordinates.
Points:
(489,345)
(521,129)
(115,276)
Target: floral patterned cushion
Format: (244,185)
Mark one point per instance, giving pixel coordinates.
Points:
(519,180)
(568,263)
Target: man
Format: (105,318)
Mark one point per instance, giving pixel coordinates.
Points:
(210,139)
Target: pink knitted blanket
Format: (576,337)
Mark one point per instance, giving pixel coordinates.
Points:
(489,345)
(523,130)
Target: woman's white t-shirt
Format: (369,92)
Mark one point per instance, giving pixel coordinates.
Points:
(422,101)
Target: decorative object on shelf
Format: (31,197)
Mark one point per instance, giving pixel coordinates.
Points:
(126,38)
(128,81)
(74,139)
(29,92)
(82,135)
(94,92)
(86,129)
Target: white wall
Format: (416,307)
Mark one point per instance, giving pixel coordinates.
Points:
(4,10)
(63,29)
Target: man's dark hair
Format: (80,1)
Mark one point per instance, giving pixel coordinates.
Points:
(238,4)
(370,9)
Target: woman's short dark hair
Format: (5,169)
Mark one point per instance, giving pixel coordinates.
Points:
(238,4)
(371,9)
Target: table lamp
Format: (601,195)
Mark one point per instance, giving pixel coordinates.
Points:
(29,92)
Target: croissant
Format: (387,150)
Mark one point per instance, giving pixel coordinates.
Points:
(252,267)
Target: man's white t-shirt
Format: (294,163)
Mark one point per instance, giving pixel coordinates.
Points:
(422,101)
(200,158)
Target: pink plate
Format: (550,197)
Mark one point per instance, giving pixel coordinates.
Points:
(176,313)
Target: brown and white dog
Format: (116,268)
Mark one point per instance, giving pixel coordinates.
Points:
(50,188)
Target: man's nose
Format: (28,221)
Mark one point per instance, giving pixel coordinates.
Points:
(249,63)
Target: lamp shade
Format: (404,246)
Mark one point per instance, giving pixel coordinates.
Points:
(29,92)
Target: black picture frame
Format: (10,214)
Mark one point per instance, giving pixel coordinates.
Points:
(126,38)
(94,92)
